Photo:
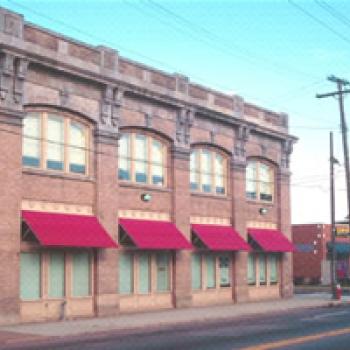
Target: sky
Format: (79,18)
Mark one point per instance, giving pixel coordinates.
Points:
(277,54)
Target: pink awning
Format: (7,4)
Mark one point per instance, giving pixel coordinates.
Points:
(157,235)
(270,240)
(67,230)
(217,237)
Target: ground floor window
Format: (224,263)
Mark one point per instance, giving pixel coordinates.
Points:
(144,272)
(81,274)
(30,272)
(45,275)
(211,270)
(56,275)
(262,268)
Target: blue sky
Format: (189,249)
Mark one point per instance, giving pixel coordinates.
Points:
(273,53)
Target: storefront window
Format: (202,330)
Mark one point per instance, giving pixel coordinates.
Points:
(273,269)
(126,273)
(262,269)
(196,271)
(81,274)
(163,280)
(56,275)
(144,273)
(211,275)
(224,266)
(251,269)
(30,276)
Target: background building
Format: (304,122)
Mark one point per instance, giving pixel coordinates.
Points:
(311,259)
(164,220)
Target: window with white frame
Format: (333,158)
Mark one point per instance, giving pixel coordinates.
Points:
(142,159)
(144,272)
(262,269)
(211,271)
(208,171)
(55,142)
(251,270)
(34,283)
(273,259)
(30,276)
(259,181)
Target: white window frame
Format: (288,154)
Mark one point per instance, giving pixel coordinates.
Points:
(258,182)
(199,171)
(43,141)
(149,161)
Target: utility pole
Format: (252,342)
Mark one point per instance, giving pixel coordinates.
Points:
(340,93)
(332,160)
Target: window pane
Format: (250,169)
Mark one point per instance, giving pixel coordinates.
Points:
(30,276)
(126,273)
(55,139)
(81,274)
(251,181)
(157,167)
(219,174)
(262,269)
(251,269)
(56,275)
(273,269)
(163,282)
(124,157)
(31,141)
(144,273)
(206,170)
(141,158)
(194,174)
(210,264)
(77,151)
(196,271)
(224,265)
(265,182)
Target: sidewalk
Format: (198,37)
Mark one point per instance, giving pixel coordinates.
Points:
(95,327)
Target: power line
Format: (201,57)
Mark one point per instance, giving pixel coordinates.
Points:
(319,21)
(333,12)
(273,65)
(132,51)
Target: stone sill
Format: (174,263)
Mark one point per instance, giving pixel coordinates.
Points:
(64,176)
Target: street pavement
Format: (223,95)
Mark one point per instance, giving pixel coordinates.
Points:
(221,327)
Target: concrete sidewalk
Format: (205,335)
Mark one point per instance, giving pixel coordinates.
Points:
(56,331)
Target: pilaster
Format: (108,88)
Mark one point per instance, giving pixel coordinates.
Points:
(106,146)
(181,206)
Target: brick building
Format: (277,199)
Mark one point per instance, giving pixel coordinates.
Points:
(311,258)
(124,188)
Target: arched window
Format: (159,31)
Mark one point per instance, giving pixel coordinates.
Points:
(259,181)
(142,159)
(55,142)
(208,171)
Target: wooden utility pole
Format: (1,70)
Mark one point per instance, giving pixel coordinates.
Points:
(332,160)
(341,83)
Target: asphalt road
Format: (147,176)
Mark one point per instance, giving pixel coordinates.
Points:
(322,328)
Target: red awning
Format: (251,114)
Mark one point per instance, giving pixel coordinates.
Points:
(221,238)
(271,240)
(67,230)
(158,235)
